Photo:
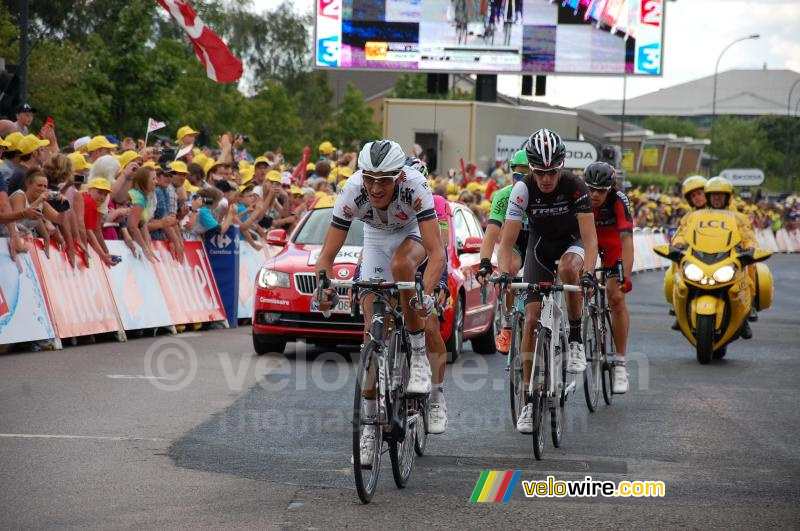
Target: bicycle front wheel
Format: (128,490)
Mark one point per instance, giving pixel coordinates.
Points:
(608,351)
(593,375)
(516,387)
(366,474)
(539,378)
(421,426)
(401,444)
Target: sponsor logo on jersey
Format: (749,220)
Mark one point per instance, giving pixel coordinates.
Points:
(418,205)
(401,215)
(362,198)
(348,213)
(407,196)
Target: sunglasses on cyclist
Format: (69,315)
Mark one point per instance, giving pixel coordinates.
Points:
(381,180)
(598,190)
(546,171)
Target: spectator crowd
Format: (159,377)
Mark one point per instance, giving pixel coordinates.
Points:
(101,188)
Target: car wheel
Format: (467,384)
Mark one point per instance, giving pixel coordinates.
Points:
(264,344)
(455,345)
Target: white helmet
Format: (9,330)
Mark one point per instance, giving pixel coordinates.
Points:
(381,155)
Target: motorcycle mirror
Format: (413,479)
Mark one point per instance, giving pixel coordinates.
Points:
(667,251)
(756,255)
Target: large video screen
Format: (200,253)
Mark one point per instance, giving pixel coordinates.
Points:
(492,36)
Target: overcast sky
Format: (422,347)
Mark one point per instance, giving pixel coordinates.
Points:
(696,32)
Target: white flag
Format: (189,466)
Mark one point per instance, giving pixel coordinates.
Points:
(154,125)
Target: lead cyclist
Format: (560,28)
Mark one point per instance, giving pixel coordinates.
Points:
(400,232)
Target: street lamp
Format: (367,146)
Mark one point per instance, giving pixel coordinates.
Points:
(714,100)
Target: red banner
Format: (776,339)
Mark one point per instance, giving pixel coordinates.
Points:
(79,297)
(189,287)
(220,63)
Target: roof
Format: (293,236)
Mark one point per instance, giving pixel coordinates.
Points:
(739,92)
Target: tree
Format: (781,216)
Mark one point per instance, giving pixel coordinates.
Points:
(352,125)
(669,124)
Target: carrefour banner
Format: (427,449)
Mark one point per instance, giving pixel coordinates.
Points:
(136,289)
(23,308)
(223,256)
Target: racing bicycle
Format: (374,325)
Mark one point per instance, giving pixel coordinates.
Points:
(550,386)
(384,370)
(598,339)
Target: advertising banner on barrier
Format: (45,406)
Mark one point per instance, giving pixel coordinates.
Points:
(189,288)
(80,297)
(250,261)
(23,308)
(136,290)
(223,255)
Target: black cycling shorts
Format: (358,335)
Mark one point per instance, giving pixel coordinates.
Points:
(540,265)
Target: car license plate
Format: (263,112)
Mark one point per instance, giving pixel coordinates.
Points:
(343,307)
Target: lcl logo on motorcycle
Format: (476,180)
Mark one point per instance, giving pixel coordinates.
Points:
(712,224)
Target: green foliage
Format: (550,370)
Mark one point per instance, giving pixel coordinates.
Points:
(107,65)
(643,180)
(352,125)
(669,124)
(415,87)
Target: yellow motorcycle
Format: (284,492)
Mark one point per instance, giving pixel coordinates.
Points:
(712,288)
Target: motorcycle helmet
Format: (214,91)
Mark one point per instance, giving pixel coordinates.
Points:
(719,185)
(545,150)
(692,183)
(599,175)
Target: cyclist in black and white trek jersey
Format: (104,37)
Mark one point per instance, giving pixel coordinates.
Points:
(561,229)
(401,231)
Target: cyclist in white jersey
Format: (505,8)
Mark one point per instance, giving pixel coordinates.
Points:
(400,231)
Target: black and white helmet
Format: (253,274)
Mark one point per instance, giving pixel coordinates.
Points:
(417,164)
(545,150)
(380,156)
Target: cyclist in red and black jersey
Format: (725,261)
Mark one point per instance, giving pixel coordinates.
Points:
(614,225)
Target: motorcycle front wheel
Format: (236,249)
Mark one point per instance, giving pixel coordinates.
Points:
(705,338)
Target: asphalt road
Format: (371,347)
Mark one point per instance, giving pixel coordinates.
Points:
(98,436)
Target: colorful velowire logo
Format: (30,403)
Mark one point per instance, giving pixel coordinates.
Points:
(494,486)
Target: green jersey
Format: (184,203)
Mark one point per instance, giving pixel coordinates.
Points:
(499,206)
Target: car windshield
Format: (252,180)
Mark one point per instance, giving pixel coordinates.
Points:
(316,226)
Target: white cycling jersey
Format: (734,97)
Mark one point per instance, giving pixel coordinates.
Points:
(413,202)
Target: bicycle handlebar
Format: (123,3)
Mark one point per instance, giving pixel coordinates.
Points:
(375,285)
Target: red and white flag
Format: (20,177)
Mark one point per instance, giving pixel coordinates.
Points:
(220,63)
(154,125)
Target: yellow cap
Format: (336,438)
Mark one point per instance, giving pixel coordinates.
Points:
(30,143)
(152,164)
(486,205)
(311,167)
(247,174)
(178,166)
(274,176)
(79,161)
(183,131)
(14,139)
(345,171)
(243,165)
(100,184)
(452,197)
(200,158)
(262,160)
(295,190)
(452,188)
(341,184)
(473,186)
(99,142)
(209,165)
(126,158)
(190,187)
(326,148)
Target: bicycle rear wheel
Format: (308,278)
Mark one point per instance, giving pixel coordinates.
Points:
(401,445)
(366,474)
(557,406)
(593,375)
(608,351)
(516,386)
(539,377)
(421,426)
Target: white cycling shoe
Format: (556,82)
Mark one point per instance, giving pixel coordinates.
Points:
(619,380)
(419,380)
(525,420)
(576,359)
(367,446)
(437,417)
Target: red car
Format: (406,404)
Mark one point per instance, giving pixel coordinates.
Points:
(286,282)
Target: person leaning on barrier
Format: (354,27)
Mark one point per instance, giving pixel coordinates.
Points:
(96,195)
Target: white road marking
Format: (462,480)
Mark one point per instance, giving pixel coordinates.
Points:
(135,377)
(83,437)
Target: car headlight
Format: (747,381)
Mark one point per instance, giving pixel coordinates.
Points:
(269,278)
(693,272)
(724,273)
